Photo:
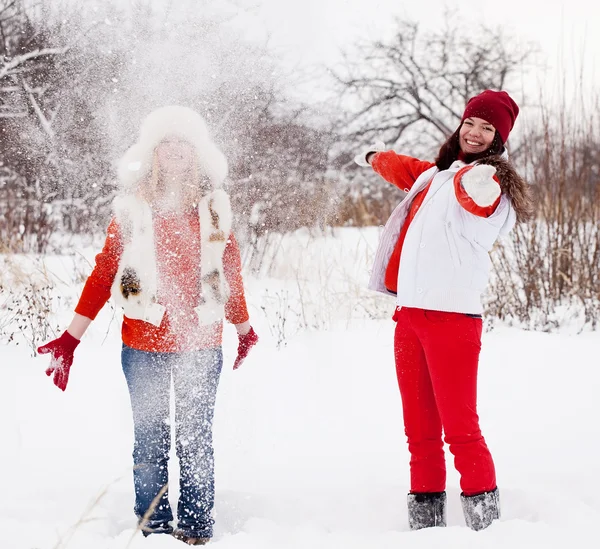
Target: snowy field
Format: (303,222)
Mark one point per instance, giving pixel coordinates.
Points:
(309,442)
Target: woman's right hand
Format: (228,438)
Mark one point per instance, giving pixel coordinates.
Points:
(61,350)
(246,342)
(364,158)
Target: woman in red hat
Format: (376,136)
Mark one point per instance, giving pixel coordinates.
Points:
(433,256)
(172,263)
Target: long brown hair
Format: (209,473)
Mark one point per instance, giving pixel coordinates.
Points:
(450,151)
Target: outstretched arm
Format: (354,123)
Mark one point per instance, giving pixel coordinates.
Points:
(95,294)
(96,290)
(236,310)
(79,325)
(397,169)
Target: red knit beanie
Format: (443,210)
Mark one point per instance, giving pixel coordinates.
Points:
(495,107)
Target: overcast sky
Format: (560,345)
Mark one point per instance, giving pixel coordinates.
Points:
(314,31)
(311,32)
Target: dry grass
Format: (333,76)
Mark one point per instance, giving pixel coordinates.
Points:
(554,262)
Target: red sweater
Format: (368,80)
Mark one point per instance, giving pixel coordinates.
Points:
(402,171)
(177,242)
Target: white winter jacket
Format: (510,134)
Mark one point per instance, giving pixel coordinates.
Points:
(444,264)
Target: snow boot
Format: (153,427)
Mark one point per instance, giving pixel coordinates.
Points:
(178,534)
(426,510)
(148,528)
(480,510)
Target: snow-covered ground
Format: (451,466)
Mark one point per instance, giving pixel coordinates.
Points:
(310,449)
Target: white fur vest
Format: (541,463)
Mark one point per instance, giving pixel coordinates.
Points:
(135,285)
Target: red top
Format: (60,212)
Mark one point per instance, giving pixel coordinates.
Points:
(402,171)
(177,243)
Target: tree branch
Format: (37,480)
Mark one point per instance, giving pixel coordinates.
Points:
(15,62)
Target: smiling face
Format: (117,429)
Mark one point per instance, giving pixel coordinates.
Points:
(476,135)
(175,156)
(173,184)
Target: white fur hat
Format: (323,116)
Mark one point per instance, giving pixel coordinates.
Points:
(182,122)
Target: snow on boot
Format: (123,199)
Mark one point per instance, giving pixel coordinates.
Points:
(181,536)
(426,510)
(480,510)
(147,528)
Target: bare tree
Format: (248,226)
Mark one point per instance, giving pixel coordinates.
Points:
(27,60)
(410,92)
(280,180)
(74,93)
(53,75)
(421,80)
(553,263)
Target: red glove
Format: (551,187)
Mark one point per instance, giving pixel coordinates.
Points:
(247,341)
(62,350)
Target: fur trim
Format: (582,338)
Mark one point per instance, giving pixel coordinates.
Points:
(513,186)
(135,285)
(216,219)
(181,122)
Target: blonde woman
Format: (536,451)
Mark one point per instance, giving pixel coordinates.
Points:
(171,261)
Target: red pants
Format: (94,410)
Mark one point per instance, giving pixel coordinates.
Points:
(437,354)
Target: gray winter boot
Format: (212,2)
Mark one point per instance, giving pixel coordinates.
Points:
(480,510)
(426,510)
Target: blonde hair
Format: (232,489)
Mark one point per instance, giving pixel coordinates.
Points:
(192,191)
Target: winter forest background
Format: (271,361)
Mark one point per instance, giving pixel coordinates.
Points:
(74,84)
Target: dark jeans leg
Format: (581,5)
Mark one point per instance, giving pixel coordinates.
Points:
(195,379)
(148,378)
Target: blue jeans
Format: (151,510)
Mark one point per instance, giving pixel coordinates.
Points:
(195,380)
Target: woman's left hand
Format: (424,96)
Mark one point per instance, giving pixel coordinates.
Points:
(481,184)
(246,342)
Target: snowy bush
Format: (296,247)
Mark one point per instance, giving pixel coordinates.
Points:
(548,273)
(27,302)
